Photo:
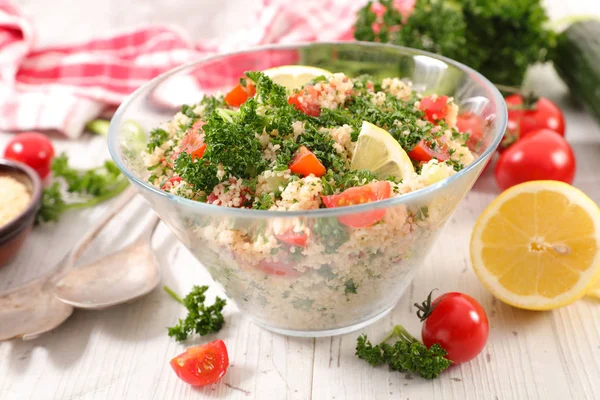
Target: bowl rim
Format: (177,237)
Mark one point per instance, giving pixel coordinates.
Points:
(20,221)
(501,115)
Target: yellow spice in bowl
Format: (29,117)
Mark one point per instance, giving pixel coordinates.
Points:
(14,199)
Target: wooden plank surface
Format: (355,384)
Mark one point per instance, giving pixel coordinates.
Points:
(123,353)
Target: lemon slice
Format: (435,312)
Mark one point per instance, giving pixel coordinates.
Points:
(377,151)
(537,245)
(294,76)
(595,290)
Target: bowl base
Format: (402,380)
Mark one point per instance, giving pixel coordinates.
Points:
(329,332)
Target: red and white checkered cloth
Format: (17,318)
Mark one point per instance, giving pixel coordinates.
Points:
(62,88)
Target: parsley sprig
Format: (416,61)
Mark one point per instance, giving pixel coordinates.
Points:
(73,188)
(407,354)
(201,319)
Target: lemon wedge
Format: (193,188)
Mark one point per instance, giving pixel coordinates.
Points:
(377,151)
(537,245)
(294,76)
(595,290)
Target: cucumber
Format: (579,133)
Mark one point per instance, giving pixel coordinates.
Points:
(577,61)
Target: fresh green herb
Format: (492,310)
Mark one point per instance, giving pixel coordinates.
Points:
(188,111)
(500,38)
(98,126)
(344,180)
(264,202)
(331,234)
(406,355)
(201,174)
(350,287)
(157,137)
(201,319)
(85,188)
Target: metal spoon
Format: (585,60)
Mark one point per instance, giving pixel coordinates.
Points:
(113,279)
(32,309)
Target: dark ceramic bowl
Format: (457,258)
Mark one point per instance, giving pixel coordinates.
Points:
(13,234)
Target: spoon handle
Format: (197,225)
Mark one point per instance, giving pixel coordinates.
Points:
(85,241)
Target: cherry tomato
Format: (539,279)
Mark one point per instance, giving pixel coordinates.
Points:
(240,93)
(305,163)
(543,114)
(202,365)
(292,238)
(33,149)
(457,323)
(307,107)
(541,155)
(474,125)
(193,141)
(435,107)
(424,152)
(360,195)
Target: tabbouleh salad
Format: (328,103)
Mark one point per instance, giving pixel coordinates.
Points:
(262,146)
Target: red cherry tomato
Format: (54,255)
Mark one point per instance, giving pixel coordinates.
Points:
(459,324)
(542,155)
(360,195)
(193,141)
(474,125)
(544,114)
(33,149)
(202,365)
(424,152)
(435,107)
(305,163)
(239,94)
(292,238)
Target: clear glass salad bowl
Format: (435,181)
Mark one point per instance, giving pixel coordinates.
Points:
(346,277)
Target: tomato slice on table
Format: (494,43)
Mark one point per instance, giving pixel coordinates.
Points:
(435,107)
(424,152)
(292,238)
(359,195)
(305,163)
(202,365)
(240,93)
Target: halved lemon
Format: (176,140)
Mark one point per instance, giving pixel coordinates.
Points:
(595,290)
(294,76)
(537,245)
(377,151)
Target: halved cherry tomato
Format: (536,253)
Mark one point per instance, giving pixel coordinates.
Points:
(169,184)
(280,268)
(305,163)
(423,152)
(239,94)
(33,149)
(193,141)
(293,238)
(360,195)
(458,324)
(202,365)
(435,107)
(308,108)
(473,125)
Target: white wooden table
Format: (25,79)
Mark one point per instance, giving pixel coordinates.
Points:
(123,353)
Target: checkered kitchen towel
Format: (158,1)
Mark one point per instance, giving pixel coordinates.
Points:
(62,88)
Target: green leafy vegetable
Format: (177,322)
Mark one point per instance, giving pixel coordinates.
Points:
(499,38)
(331,233)
(350,287)
(74,188)
(201,319)
(407,354)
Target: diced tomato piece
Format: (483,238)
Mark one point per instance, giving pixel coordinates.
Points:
(280,268)
(202,365)
(239,94)
(423,152)
(193,141)
(308,108)
(169,184)
(292,238)
(473,125)
(305,163)
(359,195)
(435,109)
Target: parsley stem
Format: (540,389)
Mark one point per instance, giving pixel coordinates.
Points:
(171,293)
(401,333)
(122,185)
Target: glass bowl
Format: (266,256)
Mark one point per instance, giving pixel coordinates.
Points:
(345,278)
